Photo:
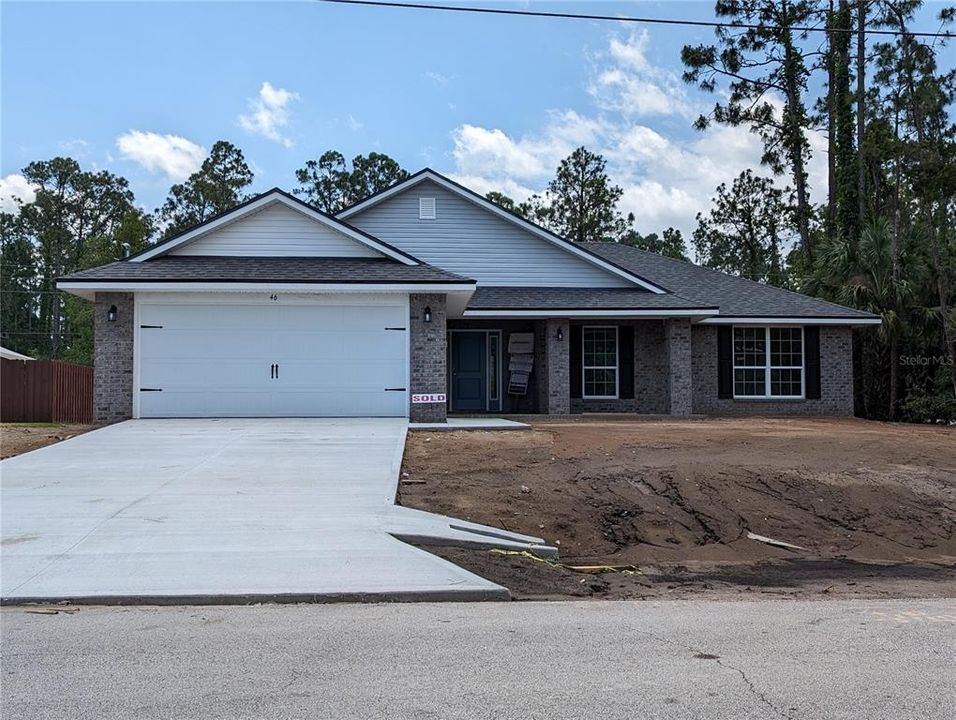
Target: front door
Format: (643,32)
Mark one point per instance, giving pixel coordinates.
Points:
(469,371)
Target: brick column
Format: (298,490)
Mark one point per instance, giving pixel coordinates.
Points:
(429,356)
(554,397)
(113,358)
(680,385)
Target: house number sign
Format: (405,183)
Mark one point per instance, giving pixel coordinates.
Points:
(426,398)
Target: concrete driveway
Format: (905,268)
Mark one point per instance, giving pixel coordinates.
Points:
(219,510)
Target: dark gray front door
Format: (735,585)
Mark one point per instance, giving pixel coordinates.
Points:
(469,371)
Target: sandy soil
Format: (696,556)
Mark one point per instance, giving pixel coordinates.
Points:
(873,504)
(17,438)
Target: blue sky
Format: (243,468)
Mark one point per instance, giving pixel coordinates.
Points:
(143,89)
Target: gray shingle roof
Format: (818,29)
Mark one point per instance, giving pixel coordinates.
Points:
(196,268)
(736,297)
(564,298)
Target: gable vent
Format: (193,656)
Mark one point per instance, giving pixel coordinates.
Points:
(426,208)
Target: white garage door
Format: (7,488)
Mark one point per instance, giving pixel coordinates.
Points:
(242,356)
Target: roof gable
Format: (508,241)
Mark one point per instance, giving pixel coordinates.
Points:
(477,238)
(275,224)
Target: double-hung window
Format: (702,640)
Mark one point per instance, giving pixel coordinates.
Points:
(768,362)
(600,361)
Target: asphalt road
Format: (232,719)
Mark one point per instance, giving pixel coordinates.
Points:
(603,660)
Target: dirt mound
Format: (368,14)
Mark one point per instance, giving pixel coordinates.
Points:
(667,493)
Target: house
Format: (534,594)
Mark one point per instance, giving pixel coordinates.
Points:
(414,302)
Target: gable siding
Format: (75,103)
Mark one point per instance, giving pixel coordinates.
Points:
(471,241)
(277,231)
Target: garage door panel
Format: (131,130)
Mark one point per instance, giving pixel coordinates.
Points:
(203,403)
(214,360)
(230,375)
(365,376)
(344,346)
(209,344)
(356,403)
(352,318)
(177,316)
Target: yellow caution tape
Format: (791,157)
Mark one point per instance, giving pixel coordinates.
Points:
(588,569)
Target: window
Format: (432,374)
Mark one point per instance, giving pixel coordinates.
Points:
(493,365)
(426,208)
(768,362)
(600,361)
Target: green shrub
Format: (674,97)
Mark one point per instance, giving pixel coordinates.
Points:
(930,409)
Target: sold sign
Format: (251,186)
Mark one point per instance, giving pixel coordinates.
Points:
(428,398)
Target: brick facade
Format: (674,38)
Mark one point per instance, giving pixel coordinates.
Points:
(555,375)
(836,378)
(680,387)
(429,355)
(675,367)
(113,358)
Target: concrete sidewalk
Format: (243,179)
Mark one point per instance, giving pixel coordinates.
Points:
(226,510)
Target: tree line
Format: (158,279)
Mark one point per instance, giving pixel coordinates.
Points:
(884,239)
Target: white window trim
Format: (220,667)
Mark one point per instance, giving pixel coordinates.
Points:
(767,367)
(617,362)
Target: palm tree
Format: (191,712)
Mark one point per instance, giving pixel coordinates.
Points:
(868,278)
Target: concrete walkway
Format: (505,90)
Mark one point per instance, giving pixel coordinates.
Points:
(227,510)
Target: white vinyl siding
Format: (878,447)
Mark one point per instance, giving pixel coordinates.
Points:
(768,362)
(277,231)
(599,362)
(471,241)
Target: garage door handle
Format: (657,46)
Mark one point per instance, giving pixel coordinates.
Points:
(277,371)
(272,371)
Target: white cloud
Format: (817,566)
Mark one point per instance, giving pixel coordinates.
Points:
(78,146)
(438,78)
(269,114)
(15,190)
(491,153)
(667,177)
(173,155)
(354,123)
(628,83)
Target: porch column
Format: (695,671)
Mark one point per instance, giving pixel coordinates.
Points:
(554,389)
(680,385)
(429,356)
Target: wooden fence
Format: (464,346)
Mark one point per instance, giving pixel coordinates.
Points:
(45,391)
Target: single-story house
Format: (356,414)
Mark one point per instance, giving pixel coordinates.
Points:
(426,299)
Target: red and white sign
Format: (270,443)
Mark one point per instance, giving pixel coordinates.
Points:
(428,398)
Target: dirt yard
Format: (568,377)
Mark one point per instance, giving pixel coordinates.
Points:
(872,505)
(18,438)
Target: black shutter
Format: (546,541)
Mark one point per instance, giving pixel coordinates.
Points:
(811,360)
(575,347)
(725,361)
(625,361)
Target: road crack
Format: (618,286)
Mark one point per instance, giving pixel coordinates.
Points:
(705,656)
